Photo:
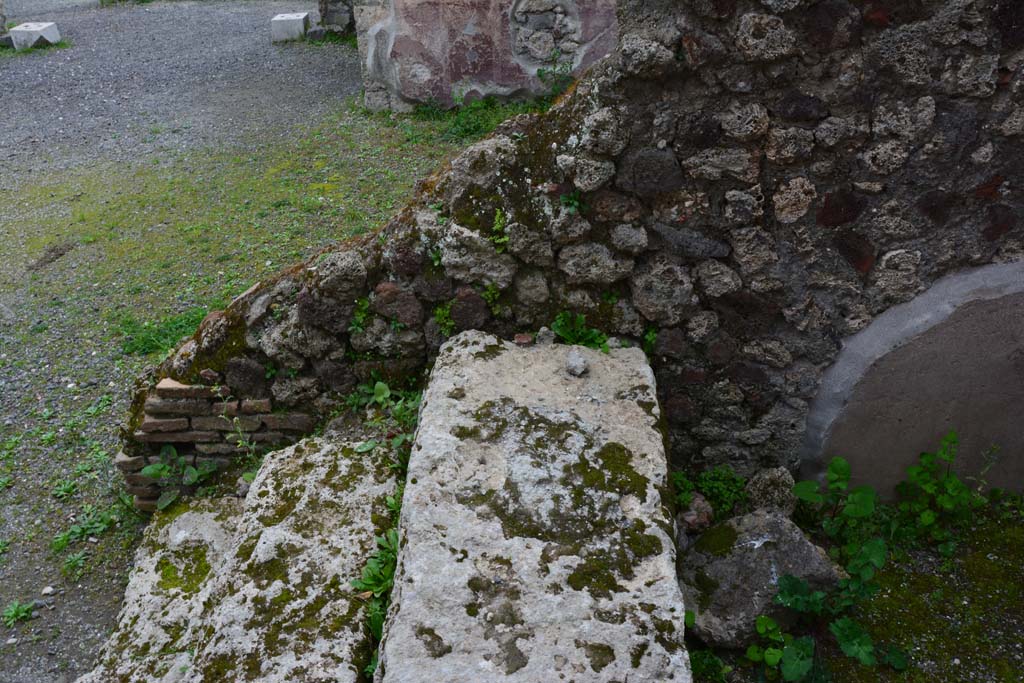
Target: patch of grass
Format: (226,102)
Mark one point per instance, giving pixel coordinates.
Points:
(474,120)
(332,38)
(15,612)
(158,336)
(11,52)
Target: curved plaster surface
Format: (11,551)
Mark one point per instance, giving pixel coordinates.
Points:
(952,358)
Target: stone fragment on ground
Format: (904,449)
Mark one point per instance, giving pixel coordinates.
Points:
(535,543)
(34,34)
(730,575)
(291,26)
(257,591)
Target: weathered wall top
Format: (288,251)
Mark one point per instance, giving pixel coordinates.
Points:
(419,51)
(745,184)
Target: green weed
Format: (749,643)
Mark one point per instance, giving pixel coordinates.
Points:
(572,329)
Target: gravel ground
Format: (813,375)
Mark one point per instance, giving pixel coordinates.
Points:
(139,85)
(160,76)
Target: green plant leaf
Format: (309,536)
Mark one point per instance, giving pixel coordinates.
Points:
(838,474)
(166,498)
(809,491)
(896,658)
(854,641)
(860,503)
(689,619)
(155,471)
(366,446)
(772,656)
(381,393)
(755,653)
(189,476)
(797,659)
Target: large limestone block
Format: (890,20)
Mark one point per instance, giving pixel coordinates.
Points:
(535,543)
(180,550)
(35,34)
(260,590)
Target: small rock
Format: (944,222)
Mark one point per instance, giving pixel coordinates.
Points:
(12,641)
(772,490)
(241,487)
(524,339)
(316,33)
(544,337)
(49,590)
(698,517)
(575,363)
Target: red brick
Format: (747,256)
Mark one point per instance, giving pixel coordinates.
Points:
(168,388)
(177,406)
(289,422)
(269,437)
(127,463)
(155,424)
(138,480)
(178,437)
(144,491)
(227,424)
(253,406)
(218,449)
(229,408)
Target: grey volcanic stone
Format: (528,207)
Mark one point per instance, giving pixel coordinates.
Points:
(593,263)
(256,590)
(730,575)
(535,545)
(772,490)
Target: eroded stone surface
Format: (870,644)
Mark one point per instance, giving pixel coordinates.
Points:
(535,540)
(257,590)
(730,575)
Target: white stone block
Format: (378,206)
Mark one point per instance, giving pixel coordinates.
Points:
(35,34)
(286,27)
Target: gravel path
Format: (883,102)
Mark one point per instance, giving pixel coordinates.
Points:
(139,84)
(160,76)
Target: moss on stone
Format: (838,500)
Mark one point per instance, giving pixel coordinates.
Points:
(183,570)
(718,540)
(599,655)
(432,643)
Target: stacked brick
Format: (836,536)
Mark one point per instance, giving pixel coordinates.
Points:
(207,424)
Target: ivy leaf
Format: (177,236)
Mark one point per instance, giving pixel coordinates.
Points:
(772,656)
(927,518)
(808,491)
(755,653)
(689,619)
(366,446)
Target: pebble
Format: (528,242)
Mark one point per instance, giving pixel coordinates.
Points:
(12,641)
(48,590)
(575,363)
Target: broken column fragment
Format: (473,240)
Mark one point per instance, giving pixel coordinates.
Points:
(535,541)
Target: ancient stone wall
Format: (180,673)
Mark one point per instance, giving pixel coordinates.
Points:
(337,16)
(744,184)
(439,51)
